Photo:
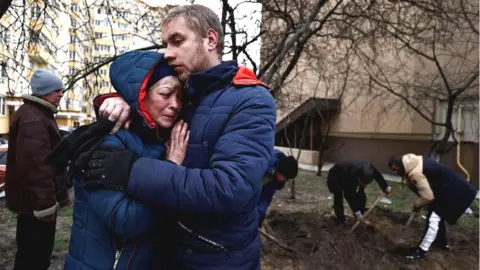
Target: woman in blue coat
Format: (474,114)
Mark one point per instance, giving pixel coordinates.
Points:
(110,229)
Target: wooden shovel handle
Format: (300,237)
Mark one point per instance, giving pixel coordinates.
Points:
(410,219)
(368,212)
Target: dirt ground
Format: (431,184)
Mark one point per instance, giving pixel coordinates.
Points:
(306,225)
(7,238)
(322,245)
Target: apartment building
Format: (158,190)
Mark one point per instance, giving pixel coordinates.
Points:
(317,110)
(73,38)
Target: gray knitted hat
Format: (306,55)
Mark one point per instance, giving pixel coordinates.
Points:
(44,82)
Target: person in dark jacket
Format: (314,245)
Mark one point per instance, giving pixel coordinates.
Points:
(110,229)
(445,193)
(32,191)
(232,118)
(281,169)
(348,179)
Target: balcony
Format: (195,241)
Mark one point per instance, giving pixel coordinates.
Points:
(37,53)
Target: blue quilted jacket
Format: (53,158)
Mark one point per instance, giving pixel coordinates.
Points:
(231,117)
(110,227)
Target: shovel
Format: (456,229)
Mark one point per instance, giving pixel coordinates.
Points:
(410,219)
(368,212)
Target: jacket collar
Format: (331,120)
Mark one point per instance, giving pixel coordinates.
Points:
(41,102)
(215,78)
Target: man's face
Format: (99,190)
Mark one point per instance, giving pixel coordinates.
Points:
(395,169)
(186,51)
(280,177)
(54,97)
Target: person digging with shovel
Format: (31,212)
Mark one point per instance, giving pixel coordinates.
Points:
(349,179)
(446,194)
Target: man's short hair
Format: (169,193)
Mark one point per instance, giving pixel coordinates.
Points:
(199,18)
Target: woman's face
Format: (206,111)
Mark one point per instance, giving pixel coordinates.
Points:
(164,101)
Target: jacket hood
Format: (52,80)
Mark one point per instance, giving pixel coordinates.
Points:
(218,77)
(412,163)
(129,75)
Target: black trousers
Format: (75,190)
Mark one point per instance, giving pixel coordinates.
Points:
(35,240)
(356,201)
(434,232)
(340,188)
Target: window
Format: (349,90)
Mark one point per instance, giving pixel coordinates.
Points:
(72,55)
(3,72)
(74,23)
(75,8)
(52,3)
(73,39)
(102,48)
(3,35)
(98,35)
(103,23)
(34,37)
(3,158)
(2,106)
(36,12)
(119,37)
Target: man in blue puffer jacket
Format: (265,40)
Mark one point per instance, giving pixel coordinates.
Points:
(281,169)
(110,229)
(232,118)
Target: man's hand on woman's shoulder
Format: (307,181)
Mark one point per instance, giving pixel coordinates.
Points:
(117,110)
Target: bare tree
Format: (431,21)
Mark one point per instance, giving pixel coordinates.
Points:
(422,54)
(78,39)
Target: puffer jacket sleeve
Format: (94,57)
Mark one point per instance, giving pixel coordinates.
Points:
(233,182)
(423,189)
(121,213)
(33,144)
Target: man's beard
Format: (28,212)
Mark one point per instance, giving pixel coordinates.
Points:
(200,63)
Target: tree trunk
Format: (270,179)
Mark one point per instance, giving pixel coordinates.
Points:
(439,148)
(321,160)
(292,189)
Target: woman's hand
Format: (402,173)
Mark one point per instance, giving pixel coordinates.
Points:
(177,145)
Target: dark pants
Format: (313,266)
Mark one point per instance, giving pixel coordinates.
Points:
(356,201)
(340,188)
(35,240)
(434,232)
(261,218)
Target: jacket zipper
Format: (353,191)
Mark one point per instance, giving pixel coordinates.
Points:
(204,239)
(118,254)
(117,258)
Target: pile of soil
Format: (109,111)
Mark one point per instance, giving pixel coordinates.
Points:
(322,245)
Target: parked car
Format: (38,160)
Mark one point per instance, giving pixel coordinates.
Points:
(65,130)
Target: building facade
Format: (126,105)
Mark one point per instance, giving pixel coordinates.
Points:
(332,117)
(75,39)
